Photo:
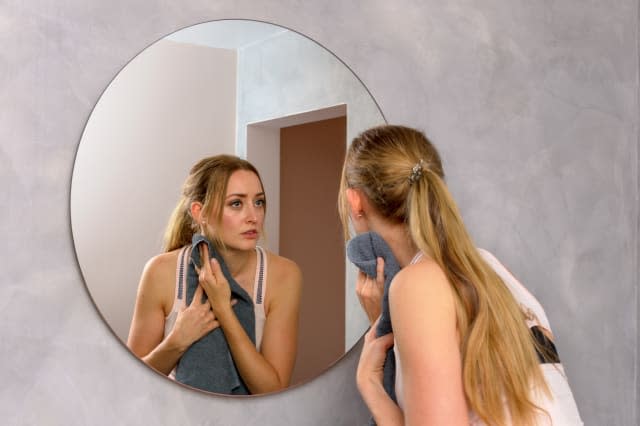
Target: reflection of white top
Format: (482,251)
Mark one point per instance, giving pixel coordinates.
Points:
(259,291)
(561,407)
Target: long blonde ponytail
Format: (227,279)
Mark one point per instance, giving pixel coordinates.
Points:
(499,362)
(180,228)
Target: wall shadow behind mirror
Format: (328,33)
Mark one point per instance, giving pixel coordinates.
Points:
(249,88)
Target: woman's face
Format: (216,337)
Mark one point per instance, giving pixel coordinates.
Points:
(243,211)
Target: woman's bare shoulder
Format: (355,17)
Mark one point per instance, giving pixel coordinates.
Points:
(283,272)
(284,282)
(159,277)
(423,304)
(161,264)
(425,279)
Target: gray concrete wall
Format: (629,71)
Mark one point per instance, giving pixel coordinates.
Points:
(533,104)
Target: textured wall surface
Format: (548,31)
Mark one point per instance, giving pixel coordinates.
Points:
(533,104)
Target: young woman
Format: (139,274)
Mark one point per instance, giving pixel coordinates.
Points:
(223,199)
(463,347)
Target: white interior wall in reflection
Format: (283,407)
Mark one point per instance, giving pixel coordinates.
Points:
(170,106)
(265,156)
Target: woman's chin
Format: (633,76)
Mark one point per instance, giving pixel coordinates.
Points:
(244,245)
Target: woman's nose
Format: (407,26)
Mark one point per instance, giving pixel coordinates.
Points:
(251,214)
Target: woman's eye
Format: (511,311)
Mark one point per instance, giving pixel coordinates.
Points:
(260,203)
(235,203)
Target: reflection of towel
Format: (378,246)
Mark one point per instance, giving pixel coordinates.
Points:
(363,250)
(208,364)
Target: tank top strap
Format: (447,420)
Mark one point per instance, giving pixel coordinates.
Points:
(181,275)
(181,283)
(417,257)
(259,291)
(260,282)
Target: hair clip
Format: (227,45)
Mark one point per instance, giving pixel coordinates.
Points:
(416,172)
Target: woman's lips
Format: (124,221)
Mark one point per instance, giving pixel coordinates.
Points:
(250,234)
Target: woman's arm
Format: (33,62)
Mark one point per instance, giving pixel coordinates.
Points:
(146,334)
(370,378)
(270,369)
(423,311)
(424,322)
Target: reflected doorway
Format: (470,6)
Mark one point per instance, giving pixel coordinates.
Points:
(300,159)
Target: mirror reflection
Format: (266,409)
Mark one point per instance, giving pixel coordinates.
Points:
(245,88)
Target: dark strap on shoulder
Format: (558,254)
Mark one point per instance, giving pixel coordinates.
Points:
(545,348)
(261,261)
(183,255)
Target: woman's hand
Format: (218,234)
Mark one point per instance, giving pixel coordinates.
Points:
(370,291)
(213,282)
(369,379)
(194,321)
(371,365)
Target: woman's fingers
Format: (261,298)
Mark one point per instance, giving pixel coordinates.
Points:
(205,274)
(370,290)
(195,266)
(378,344)
(197,296)
(371,365)
(380,271)
(366,285)
(213,325)
(214,284)
(214,265)
(385,341)
(360,282)
(210,266)
(204,258)
(371,334)
(363,284)
(197,319)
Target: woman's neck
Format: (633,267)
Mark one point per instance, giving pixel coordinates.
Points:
(399,241)
(237,261)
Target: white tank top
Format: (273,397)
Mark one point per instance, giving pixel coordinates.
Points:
(259,291)
(561,407)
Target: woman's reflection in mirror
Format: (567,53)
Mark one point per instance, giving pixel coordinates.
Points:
(216,311)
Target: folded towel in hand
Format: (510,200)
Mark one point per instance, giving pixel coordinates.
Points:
(207,364)
(363,251)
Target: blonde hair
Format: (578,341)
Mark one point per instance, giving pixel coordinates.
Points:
(400,172)
(207,184)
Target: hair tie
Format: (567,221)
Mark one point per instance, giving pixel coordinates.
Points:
(416,172)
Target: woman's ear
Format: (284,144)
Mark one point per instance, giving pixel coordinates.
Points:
(196,211)
(356,201)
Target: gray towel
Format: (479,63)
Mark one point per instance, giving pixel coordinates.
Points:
(208,364)
(363,250)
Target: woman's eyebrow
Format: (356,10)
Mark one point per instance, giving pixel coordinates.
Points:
(241,195)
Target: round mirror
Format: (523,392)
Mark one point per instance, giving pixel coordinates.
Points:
(248,88)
